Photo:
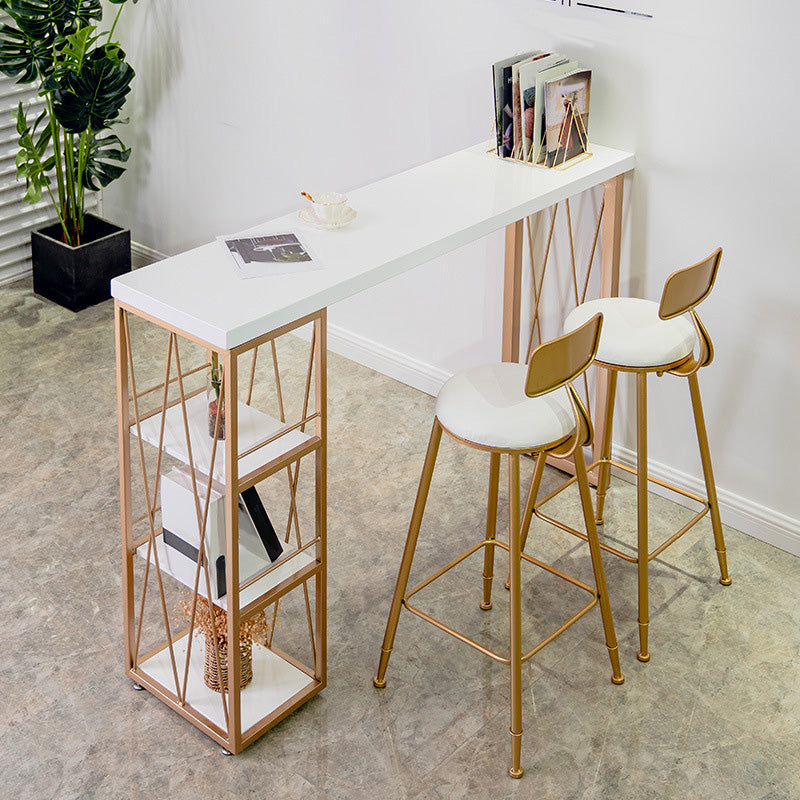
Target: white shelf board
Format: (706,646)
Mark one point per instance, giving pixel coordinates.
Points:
(183,570)
(255,427)
(403,221)
(274,682)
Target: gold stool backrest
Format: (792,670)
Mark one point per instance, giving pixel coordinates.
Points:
(688,287)
(683,290)
(556,363)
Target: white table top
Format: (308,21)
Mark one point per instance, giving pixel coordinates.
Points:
(402,222)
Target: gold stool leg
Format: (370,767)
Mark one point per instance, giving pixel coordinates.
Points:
(533,493)
(491,530)
(408,554)
(642,514)
(515,615)
(597,566)
(604,471)
(708,474)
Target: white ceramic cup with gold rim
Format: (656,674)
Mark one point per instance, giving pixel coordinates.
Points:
(329,207)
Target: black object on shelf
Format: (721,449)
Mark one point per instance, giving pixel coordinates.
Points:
(222,587)
(181,545)
(263,525)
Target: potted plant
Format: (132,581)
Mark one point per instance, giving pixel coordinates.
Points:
(84,80)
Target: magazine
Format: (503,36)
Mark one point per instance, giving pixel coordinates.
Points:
(567,116)
(269,254)
(527,95)
(539,123)
(501,77)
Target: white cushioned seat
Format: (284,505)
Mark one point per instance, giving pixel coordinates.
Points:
(633,334)
(487,406)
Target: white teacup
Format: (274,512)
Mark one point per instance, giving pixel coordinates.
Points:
(330,207)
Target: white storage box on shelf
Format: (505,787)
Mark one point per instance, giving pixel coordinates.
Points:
(179,544)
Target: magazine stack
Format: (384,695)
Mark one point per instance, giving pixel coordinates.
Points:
(541,108)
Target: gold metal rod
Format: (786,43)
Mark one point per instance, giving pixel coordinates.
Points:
(283,561)
(278,387)
(501,659)
(321,493)
(604,473)
(535,320)
(642,515)
(271,467)
(281,432)
(515,615)
(708,475)
(597,567)
(491,529)
(572,253)
(152,544)
(454,563)
(544,271)
(512,284)
(158,386)
(172,403)
(125,491)
(294,481)
(142,518)
(253,375)
(675,536)
(594,249)
(408,553)
(202,520)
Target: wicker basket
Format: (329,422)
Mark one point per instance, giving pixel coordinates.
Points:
(211,675)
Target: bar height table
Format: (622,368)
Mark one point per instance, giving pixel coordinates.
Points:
(403,221)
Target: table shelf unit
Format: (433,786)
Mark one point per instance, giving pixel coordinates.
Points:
(257,445)
(196,297)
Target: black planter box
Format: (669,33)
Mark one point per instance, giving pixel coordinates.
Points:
(78,277)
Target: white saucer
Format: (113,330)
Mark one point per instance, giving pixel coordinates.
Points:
(310,218)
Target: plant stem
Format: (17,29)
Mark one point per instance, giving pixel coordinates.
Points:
(83,154)
(55,131)
(116,19)
(72,200)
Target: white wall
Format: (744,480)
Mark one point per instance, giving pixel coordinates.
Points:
(237,109)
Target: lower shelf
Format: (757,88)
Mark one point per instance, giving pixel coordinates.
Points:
(275,682)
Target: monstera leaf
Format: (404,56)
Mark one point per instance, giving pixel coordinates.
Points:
(39,19)
(29,50)
(99,170)
(92,98)
(22,56)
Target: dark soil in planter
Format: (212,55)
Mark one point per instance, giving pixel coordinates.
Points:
(78,277)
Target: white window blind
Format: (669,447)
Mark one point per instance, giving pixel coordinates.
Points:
(18,218)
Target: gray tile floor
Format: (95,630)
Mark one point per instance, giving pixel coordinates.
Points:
(713,715)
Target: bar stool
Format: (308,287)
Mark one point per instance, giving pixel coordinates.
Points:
(643,337)
(513,409)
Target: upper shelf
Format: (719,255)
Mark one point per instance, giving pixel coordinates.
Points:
(403,221)
(254,426)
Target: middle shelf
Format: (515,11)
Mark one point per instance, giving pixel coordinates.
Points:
(254,428)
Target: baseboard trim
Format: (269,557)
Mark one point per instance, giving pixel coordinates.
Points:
(142,255)
(751,518)
(392,363)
